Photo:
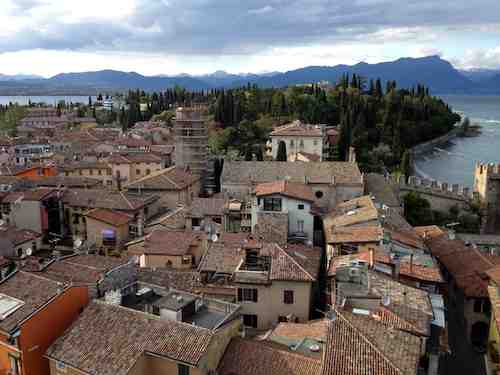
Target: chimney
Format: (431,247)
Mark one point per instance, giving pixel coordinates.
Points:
(411,263)
(118,181)
(396,269)
(370,259)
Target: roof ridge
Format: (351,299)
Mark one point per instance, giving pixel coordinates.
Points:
(297,263)
(368,341)
(126,200)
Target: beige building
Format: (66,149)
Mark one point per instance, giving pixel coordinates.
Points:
(77,202)
(173,185)
(98,170)
(107,229)
(274,283)
(300,138)
(130,167)
(170,249)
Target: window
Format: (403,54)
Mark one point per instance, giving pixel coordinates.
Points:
(156,310)
(301,207)
(80,172)
(195,222)
(91,172)
(288,297)
(182,369)
(292,143)
(148,171)
(250,320)
(272,204)
(109,182)
(108,172)
(137,171)
(319,194)
(301,143)
(99,172)
(300,226)
(247,295)
(282,319)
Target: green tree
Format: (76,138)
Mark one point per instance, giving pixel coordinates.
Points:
(281,155)
(405,165)
(417,209)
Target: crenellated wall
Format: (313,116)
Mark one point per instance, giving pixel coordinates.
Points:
(441,195)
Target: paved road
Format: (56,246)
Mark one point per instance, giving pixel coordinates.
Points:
(463,360)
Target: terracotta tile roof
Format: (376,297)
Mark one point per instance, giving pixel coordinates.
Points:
(494,275)
(132,142)
(317,329)
(188,281)
(406,237)
(222,257)
(255,172)
(290,263)
(85,165)
(201,207)
(353,212)
(134,158)
(247,357)
(172,178)
(427,272)
(32,195)
(400,294)
(429,231)
(286,188)
(18,236)
(108,340)
(101,198)
(468,266)
(355,234)
(359,345)
(308,156)
(297,129)
(34,291)
(111,217)
(166,242)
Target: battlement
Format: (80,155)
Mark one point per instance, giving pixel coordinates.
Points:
(492,170)
(426,186)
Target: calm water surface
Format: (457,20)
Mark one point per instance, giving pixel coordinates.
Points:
(455,162)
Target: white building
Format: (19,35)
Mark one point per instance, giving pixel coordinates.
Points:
(285,197)
(107,104)
(300,140)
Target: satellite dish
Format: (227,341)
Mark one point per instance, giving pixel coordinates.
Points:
(2,222)
(331,315)
(29,251)
(214,237)
(386,300)
(78,242)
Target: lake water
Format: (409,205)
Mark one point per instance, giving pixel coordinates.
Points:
(43,99)
(455,162)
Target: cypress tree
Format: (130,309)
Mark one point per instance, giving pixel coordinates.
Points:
(281,155)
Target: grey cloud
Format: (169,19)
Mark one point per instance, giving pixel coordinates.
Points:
(211,27)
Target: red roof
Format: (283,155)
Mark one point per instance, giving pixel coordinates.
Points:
(286,188)
(111,217)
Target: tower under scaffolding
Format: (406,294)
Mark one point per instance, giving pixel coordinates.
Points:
(191,145)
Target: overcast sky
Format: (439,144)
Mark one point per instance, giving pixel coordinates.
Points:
(199,36)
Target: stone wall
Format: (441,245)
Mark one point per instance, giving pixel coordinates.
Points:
(441,195)
(272,227)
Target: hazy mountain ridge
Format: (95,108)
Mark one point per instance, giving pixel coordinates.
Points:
(438,74)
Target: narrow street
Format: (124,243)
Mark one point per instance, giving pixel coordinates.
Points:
(463,360)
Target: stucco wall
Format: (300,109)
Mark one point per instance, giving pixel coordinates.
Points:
(270,305)
(310,145)
(95,229)
(26,215)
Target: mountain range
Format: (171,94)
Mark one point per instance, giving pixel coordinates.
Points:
(432,71)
